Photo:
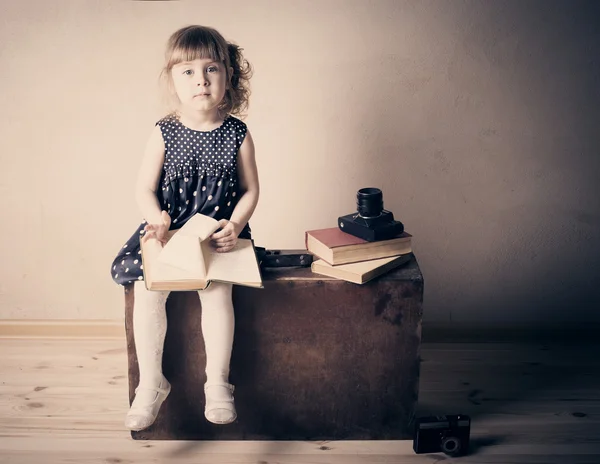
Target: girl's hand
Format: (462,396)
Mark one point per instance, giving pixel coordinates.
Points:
(225,239)
(158,231)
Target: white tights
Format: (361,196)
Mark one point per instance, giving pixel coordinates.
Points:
(150,327)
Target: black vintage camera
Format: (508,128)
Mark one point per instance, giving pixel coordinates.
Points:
(449,434)
(371,222)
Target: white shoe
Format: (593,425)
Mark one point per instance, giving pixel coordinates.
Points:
(219,408)
(142,416)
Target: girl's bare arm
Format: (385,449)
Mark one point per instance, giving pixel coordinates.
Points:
(249,185)
(148,177)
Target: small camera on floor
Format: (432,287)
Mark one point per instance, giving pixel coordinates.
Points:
(449,434)
(371,222)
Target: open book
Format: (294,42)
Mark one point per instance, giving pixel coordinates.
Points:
(189,260)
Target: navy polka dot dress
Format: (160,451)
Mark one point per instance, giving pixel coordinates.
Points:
(199,175)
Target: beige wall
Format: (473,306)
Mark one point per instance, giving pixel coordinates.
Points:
(477,119)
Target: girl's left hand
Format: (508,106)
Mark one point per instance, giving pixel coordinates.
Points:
(225,239)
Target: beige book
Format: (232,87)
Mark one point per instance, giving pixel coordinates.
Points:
(362,272)
(189,261)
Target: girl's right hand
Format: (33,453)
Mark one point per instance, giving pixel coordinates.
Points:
(158,231)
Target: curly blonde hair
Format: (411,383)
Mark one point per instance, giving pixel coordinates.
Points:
(200,42)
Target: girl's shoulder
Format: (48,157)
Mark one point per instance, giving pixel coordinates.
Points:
(170,120)
(236,123)
(237,128)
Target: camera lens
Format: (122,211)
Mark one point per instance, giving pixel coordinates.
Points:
(369,202)
(450,445)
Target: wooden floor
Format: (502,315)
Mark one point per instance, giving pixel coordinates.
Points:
(63,401)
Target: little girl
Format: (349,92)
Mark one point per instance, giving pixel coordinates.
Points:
(198,159)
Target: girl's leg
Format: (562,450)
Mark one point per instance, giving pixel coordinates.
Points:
(218,323)
(149,329)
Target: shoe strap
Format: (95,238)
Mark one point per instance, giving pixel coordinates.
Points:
(230,387)
(164,391)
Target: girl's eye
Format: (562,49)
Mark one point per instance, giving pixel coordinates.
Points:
(188,72)
(212,69)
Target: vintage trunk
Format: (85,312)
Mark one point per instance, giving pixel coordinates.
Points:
(314,358)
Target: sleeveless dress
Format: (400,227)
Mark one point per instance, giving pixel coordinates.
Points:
(199,175)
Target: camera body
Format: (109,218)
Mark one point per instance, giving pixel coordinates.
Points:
(449,434)
(371,223)
(382,227)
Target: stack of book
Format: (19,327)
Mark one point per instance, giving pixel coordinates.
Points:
(353,259)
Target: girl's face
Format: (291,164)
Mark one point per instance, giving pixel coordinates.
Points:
(200,84)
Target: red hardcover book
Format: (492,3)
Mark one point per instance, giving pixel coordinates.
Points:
(337,247)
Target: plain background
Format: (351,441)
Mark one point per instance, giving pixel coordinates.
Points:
(477,119)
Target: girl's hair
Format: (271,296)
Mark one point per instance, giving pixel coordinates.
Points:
(200,42)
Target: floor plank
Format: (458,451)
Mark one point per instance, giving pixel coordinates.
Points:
(63,401)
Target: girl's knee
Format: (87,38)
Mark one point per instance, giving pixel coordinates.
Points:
(216,291)
(147,297)
(216,288)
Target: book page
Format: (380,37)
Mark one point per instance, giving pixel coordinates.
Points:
(238,265)
(182,252)
(360,268)
(150,250)
(200,226)
(162,273)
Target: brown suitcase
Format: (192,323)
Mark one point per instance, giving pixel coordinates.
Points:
(314,358)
